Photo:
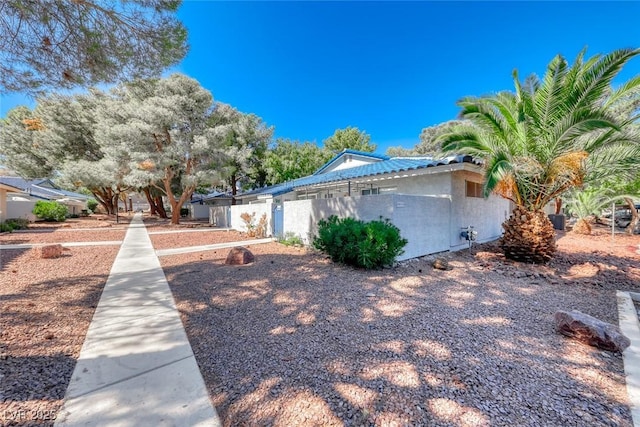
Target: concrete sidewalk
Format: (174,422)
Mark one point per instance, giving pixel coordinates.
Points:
(136,367)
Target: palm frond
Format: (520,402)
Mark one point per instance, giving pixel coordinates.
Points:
(596,77)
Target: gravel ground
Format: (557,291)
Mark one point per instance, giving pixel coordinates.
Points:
(61,235)
(47,305)
(207,237)
(296,340)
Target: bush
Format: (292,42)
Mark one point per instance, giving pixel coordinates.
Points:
(373,244)
(253,230)
(50,211)
(184,212)
(5,226)
(92,205)
(18,223)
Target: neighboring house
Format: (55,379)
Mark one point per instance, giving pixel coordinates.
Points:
(5,190)
(25,193)
(200,203)
(431,200)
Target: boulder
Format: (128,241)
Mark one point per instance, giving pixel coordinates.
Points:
(50,251)
(239,256)
(589,330)
(441,264)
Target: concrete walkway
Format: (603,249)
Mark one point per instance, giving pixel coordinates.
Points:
(136,367)
(190,249)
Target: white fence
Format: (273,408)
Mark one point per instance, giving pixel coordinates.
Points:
(431,224)
(422,220)
(220,216)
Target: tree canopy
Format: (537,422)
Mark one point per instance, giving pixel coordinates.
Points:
(429,144)
(51,44)
(349,138)
(288,160)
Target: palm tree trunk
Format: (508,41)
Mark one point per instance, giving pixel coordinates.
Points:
(528,236)
(633,225)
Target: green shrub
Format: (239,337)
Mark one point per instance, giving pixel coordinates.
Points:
(50,211)
(369,245)
(184,212)
(18,223)
(5,226)
(92,204)
(290,239)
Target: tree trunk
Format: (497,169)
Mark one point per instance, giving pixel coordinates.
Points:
(633,225)
(528,236)
(159,204)
(152,205)
(558,205)
(582,226)
(234,191)
(104,196)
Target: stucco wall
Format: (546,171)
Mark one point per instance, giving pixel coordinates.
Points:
(237,223)
(20,209)
(485,215)
(422,220)
(197,211)
(219,216)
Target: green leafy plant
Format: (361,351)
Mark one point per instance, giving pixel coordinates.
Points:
(290,239)
(369,245)
(5,226)
(50,211)
(92,205)
(18,223)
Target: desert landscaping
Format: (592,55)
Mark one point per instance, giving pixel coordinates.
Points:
(293,339)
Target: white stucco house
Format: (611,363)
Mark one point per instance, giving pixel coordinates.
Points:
(430,200)
(20,196)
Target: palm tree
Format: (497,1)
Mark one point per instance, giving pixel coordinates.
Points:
(535,141)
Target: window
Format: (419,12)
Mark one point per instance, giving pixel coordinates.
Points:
(474,189)
(370,191)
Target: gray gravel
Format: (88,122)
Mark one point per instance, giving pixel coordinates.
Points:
(296,340)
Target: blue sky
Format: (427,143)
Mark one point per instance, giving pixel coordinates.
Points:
(389,68)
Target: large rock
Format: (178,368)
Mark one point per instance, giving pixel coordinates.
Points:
(239,256)
(589,330)
(441,264)
(50,251)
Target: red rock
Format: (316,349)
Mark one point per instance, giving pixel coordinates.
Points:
(589,330)
(50,251)
(239,256)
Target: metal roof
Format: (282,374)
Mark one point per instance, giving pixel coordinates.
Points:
(391,165)
(35,188)
(353,152)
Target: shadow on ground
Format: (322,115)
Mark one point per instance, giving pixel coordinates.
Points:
(295,340)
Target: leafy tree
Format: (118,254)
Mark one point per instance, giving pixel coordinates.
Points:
(536,142)
(288,160)
(49,44)
(245,141)
(18,146)
(160,129)
(349,138)
(429,144)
